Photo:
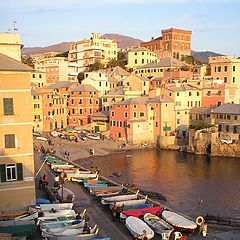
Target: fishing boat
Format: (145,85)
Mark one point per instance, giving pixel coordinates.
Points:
(65,195)
(137,228)
(93,190)
(58,213)
(179,222)
(82,175)
(89,185)
(109,200)
(158,225)
(141,212)
(42,220)
(69,234)
(56,206)
(128,202)
(42,201)
(106,193)
(19,230)
(93,136)
(139,206)
(61,168)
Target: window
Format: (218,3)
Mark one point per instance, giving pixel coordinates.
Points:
(219,104)
(235,117)
(134,114)
(33,75)
(8,106)
(134,106)
(234,129)
(142,61)
(11,172)
(234,80)
(178,121)
(225,68)
(156,124)
(80,111)
(112,114)
(141,114)
(190,94)
(228,117)
(125,114)
(72,101)
(9,140)
(209,93)
(225,79)
(100,84)
(80,101)
(227,128)
(177,94)
(234,68)
(198,93)
(220,128)
(219,69)
(135,61)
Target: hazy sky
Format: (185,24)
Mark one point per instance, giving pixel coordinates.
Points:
(215,23)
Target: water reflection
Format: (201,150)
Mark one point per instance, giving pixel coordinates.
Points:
(191,184)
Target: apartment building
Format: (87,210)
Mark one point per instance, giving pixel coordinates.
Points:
(38,78)
(174,43)
(92,50)
(17,182)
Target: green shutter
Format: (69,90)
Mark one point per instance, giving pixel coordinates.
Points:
(19,172)
(8,106)
(2,173)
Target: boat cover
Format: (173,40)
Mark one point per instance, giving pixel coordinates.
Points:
(141,212)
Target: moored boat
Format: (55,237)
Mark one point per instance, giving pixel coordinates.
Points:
(179,222)
(137,228)
(88,185)
(56,206)
(106,193)
(128,202)
(81,175)
(93,190)
(58,213)
(65,195)
(23,230)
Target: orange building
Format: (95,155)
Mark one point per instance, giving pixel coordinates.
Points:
(173,43)
(83,103)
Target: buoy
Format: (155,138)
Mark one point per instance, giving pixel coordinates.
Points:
(199,220)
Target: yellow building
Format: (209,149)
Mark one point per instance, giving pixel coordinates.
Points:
(158,69)
(225,68)
(140,56)
(10,45)
(38,78)
(17,183)
(92,50)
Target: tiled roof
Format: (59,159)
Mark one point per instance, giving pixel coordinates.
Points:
(228,108)
(183,87)
(139,49)
(61,84)
(116,91)
(118,71)
(164,62)
(133,101)
(161,98)
(85,88)
(112,79)
(34,92)
(10,64)
(101,114)
(200,110)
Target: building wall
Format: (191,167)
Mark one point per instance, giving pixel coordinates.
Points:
(10,45)
(20,193)
(37,113)
(38,78)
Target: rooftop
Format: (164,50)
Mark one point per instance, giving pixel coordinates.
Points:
(85,88)
(161,98)
(228,108)
(61,84)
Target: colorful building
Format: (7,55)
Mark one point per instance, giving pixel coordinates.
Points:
(83,103)
(17,181)
(38,78)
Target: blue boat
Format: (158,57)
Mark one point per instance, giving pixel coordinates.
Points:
(42,201)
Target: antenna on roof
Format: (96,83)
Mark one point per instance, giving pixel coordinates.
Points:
(14,28)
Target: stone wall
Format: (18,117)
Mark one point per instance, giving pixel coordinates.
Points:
(225,150)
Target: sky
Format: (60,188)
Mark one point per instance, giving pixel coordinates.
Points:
(215,24)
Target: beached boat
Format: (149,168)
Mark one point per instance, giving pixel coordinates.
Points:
(106,193)
(93,190)
(65,195)
(61,168)
(179,222)
(109,200)
(141,212)
(128,202)
(19,230)
(81,175)
(158,225)
(93,136)
(139,206)
(56,206)
(42,220)
(137,228)
(69,234)
(89,185)
(58,213)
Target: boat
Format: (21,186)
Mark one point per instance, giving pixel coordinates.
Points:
(109,200)
(42,220)
(61,167)
(139,206)
(158,225)
(179,222)
(106,193)
(42,201)
(58,213)
(93,136)
(69,234)
(88,185)
(93,190)
(56,206)
(141,212)
(19,230)
(65,195)
(137,227)
(82,174)
(41,138)
(128,202)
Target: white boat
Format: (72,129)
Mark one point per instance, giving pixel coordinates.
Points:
(179,222)
(107,193)
(81,175)
(69,234)
(56,206)
(159,225)
(128,202)
(59,213)
(61,167)
(42,220)
(93,190)
(109,200)
(42,138)
(93,136)
(65,195)
(137,227)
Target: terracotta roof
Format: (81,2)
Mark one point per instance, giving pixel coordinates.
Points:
(101,114)
(133,101)
(61,84)
(116,91)
(161,98)
(118,71)
(200,110)
(85,88)
(139,49)
(165,62)
(228,108)
(183,87)
(34,92)
(10,64)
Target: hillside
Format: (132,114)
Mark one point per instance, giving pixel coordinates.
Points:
(123,41)
(203,56)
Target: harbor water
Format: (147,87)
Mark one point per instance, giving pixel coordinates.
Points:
(192,184)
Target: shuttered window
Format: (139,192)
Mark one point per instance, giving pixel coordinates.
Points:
(9,140)
(8,106)
(11,172)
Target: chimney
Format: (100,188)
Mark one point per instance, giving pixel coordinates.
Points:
(152,38)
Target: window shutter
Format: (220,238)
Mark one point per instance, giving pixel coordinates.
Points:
(2,173)
(9,140)
(8,106)
(19,172)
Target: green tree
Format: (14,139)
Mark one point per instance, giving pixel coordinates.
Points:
(95,66)
(28,61)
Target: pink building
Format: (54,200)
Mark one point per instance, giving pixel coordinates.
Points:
(83,102)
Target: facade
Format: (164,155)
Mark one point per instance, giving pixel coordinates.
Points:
(173,42)
(92,50)
(10,45)
(17,182)
(140,56)
(83,103)
(200,115)
(38,78)
(225,68)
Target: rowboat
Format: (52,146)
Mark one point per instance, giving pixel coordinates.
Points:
(93,190)
(89,185)
(141,212)
(42,201)
(82,174)
(65,195)
(106,193)
(19,230)
(139,206)
(68,171)
(56,206)
(42,220)
(58,213)
(62,167)
(69,234)
(179,222)
(137,228)
(109,200)
(158,225)
(128,202)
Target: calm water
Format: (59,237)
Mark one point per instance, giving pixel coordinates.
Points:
(192,184)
